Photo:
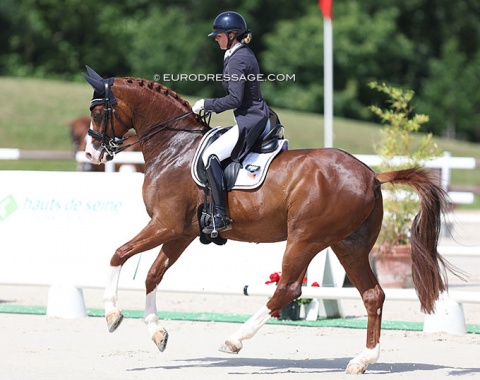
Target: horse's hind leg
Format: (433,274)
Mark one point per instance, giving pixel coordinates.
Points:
(234,342)
(353,254)
(294,268)
(168,255)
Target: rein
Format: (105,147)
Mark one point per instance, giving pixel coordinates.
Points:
(155,128)
(113,145)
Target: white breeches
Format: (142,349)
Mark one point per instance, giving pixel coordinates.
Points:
(223,146)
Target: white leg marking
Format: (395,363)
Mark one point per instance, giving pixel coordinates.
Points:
(247,331)
(158,333)
(359,364)
(150,314)
(110,296)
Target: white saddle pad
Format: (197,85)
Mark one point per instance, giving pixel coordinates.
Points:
(254,165)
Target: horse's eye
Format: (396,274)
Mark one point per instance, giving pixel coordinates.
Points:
(97,116)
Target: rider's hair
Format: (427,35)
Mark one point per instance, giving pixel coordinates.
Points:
(245,38)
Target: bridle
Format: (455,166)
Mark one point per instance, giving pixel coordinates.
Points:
(110,144)
(114,145)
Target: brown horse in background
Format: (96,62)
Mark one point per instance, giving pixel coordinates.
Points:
(312,198)
(78,133)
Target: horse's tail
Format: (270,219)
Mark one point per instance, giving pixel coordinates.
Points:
(428,266)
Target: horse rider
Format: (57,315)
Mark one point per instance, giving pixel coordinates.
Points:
(241,83)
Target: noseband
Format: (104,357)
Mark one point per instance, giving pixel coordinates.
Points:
(114,145)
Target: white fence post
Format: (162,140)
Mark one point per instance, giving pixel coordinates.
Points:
(445,171)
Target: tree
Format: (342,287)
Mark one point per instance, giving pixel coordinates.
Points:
(450,94)
(52,38)
(373,51)
(162,45)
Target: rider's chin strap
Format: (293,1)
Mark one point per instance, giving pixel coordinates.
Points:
(230,40)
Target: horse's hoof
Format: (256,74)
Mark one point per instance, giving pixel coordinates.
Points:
(160,338)
(230,347)
(114,318)
(355,368)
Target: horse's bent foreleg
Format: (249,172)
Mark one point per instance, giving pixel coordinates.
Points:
(234,343)
(168,255)
(113,314)
(150,237)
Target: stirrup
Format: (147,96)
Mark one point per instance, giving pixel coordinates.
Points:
(225,224)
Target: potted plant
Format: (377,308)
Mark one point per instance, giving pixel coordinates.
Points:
(400,147)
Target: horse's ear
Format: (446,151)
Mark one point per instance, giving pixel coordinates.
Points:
(92,73)
(96,84)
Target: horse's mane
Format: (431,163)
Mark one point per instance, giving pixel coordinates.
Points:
(161,89)
(157,87)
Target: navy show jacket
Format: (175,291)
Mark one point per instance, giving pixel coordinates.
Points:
(241,83)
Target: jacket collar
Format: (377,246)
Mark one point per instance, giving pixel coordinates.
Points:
(229,52)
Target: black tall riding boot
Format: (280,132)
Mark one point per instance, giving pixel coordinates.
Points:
(220,221)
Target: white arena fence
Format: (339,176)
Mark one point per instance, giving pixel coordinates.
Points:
(445,164)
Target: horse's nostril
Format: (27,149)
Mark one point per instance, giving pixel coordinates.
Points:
(88,155)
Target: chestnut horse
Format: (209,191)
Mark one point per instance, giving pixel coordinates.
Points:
(312,198)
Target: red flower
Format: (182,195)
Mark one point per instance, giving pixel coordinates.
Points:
(274,278)
(315,284)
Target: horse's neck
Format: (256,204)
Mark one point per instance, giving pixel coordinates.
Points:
(176,143)
(170,147)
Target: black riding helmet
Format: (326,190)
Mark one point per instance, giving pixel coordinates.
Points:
(227,22)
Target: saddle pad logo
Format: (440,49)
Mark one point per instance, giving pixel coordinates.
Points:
(7,207)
